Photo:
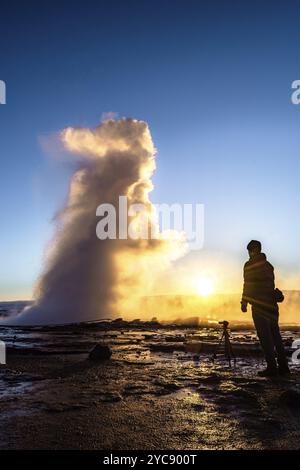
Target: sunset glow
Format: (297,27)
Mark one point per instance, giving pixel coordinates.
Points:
(205,286)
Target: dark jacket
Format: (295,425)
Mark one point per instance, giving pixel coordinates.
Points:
(259,285)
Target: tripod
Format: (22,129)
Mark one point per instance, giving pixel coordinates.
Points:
(229,354)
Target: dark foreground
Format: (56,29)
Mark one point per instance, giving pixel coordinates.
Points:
(154,393)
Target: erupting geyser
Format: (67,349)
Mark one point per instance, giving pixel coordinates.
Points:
(86,278)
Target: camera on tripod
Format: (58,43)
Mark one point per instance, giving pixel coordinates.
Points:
(229,354)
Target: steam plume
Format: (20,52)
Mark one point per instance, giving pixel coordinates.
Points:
(86,278)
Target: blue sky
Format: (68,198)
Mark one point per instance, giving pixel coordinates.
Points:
(212,79)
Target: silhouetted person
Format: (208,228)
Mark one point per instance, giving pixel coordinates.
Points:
(259,291)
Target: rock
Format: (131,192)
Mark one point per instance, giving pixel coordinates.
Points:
(168,385)
(198,406)
(290,398)
(273,423)
(211,379)
(166,347)
(111,397)
(154,324)
(175,339)
(148,336)
(100,352)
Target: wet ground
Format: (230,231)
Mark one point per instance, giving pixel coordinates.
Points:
(160,390)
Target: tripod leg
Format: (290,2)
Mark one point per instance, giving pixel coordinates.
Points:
(228,349)
(217,347)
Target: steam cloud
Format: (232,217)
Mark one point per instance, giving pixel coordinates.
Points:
(86,278)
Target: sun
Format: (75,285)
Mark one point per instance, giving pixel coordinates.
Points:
(205,286)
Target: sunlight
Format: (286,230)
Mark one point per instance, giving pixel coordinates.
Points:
(205,286)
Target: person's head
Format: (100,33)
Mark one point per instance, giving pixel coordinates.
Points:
(254,248)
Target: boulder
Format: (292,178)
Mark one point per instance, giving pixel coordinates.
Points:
(100,352)
(290,398)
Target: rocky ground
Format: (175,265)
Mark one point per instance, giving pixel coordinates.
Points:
(159,390)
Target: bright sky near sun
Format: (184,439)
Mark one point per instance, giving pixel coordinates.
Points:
(205,286)
(213,81)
